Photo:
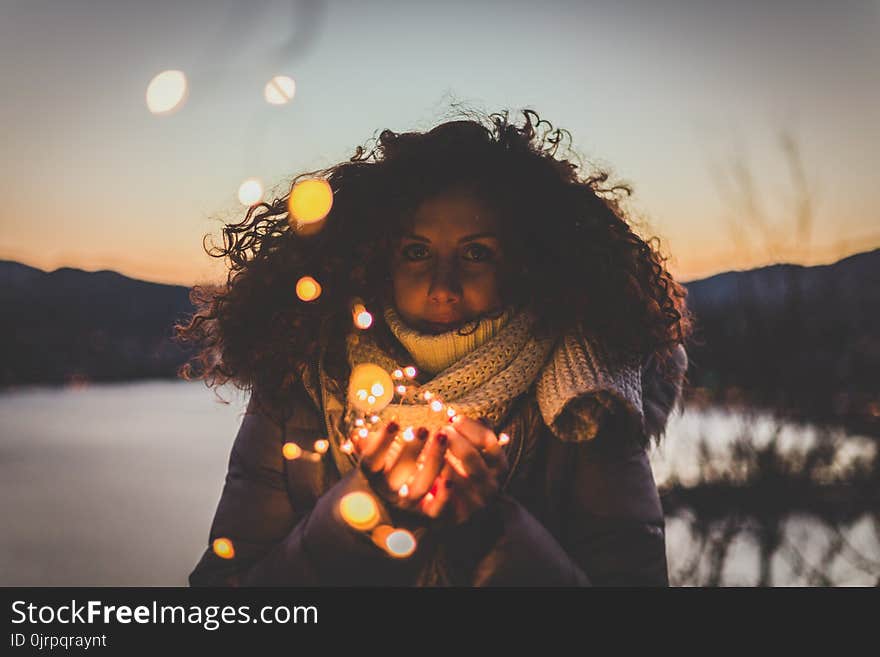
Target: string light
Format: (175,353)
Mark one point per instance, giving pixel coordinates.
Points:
(362,319)
(436,405)
(410,372)
(404,491)
(450,412)
(321,446)
(374,418)
(223,548)
(503,439)
(397,374)
(308,289)
(401,390)
(359,510)
(359,422)
(291,451)
(408,434)
(347,447)
(363,433)
(428,395)
(371,399)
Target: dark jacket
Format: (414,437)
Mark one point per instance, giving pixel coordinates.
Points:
(571,514)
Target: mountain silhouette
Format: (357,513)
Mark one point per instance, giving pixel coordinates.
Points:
(802,340)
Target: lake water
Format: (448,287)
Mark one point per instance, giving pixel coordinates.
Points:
(116,484)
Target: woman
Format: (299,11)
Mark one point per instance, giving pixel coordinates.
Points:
(526,303)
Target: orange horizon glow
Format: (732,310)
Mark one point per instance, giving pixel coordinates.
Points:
(686,264)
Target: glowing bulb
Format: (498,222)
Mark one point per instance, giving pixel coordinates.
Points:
(363,433)
(503,439)
(250,192)
(428,396)
(310,201)
(397,374)
(437,405)
(308,289)
(410,372)
(223,548)
(400,543)
(404,491)
(291,451)
(166,92)
(401,390)
(359,510)
(450,412)
(374,419)
(359,422)
(363,320)
(321,446)
(366,380)
(279,90)
(347,447)
(408,434)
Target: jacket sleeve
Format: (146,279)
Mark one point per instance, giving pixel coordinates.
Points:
(609,514)
(274,543)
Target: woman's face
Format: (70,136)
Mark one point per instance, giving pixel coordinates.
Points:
(446,268)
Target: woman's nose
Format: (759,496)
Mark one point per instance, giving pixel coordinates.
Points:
(445,285)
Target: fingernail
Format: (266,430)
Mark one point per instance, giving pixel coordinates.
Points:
(434,488)
(442,438)
(422,433)
(393,427)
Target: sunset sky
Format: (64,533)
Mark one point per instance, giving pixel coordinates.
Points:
(672,95)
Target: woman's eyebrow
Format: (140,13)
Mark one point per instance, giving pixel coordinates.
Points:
(466,238)
(476,236)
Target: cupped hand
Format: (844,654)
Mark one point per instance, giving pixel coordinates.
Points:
(473,474)
(402,472)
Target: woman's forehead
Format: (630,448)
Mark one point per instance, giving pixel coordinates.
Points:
(453,214)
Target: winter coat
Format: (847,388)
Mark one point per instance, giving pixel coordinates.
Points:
(572,513)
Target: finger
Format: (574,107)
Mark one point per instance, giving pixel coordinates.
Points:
(428,464)
(377,446)
(436,500)
(464,457)
(481,436)
(400,462)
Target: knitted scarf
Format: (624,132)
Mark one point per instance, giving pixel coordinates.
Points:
(575,379)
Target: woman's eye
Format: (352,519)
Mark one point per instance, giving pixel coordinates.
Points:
(477,253)
(415,252)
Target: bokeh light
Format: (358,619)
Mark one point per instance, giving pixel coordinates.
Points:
(291,451)
(359,510)
(223,548)
(322,445)
(167,92)
(279,90)
(308,289)
(368,378)
(400,543)
(250,192)
(310,201)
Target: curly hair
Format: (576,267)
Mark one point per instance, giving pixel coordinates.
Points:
(575,256)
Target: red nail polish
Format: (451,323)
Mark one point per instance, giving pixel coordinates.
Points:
(393,427)
(442,438)
(434,488)
(422,433)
